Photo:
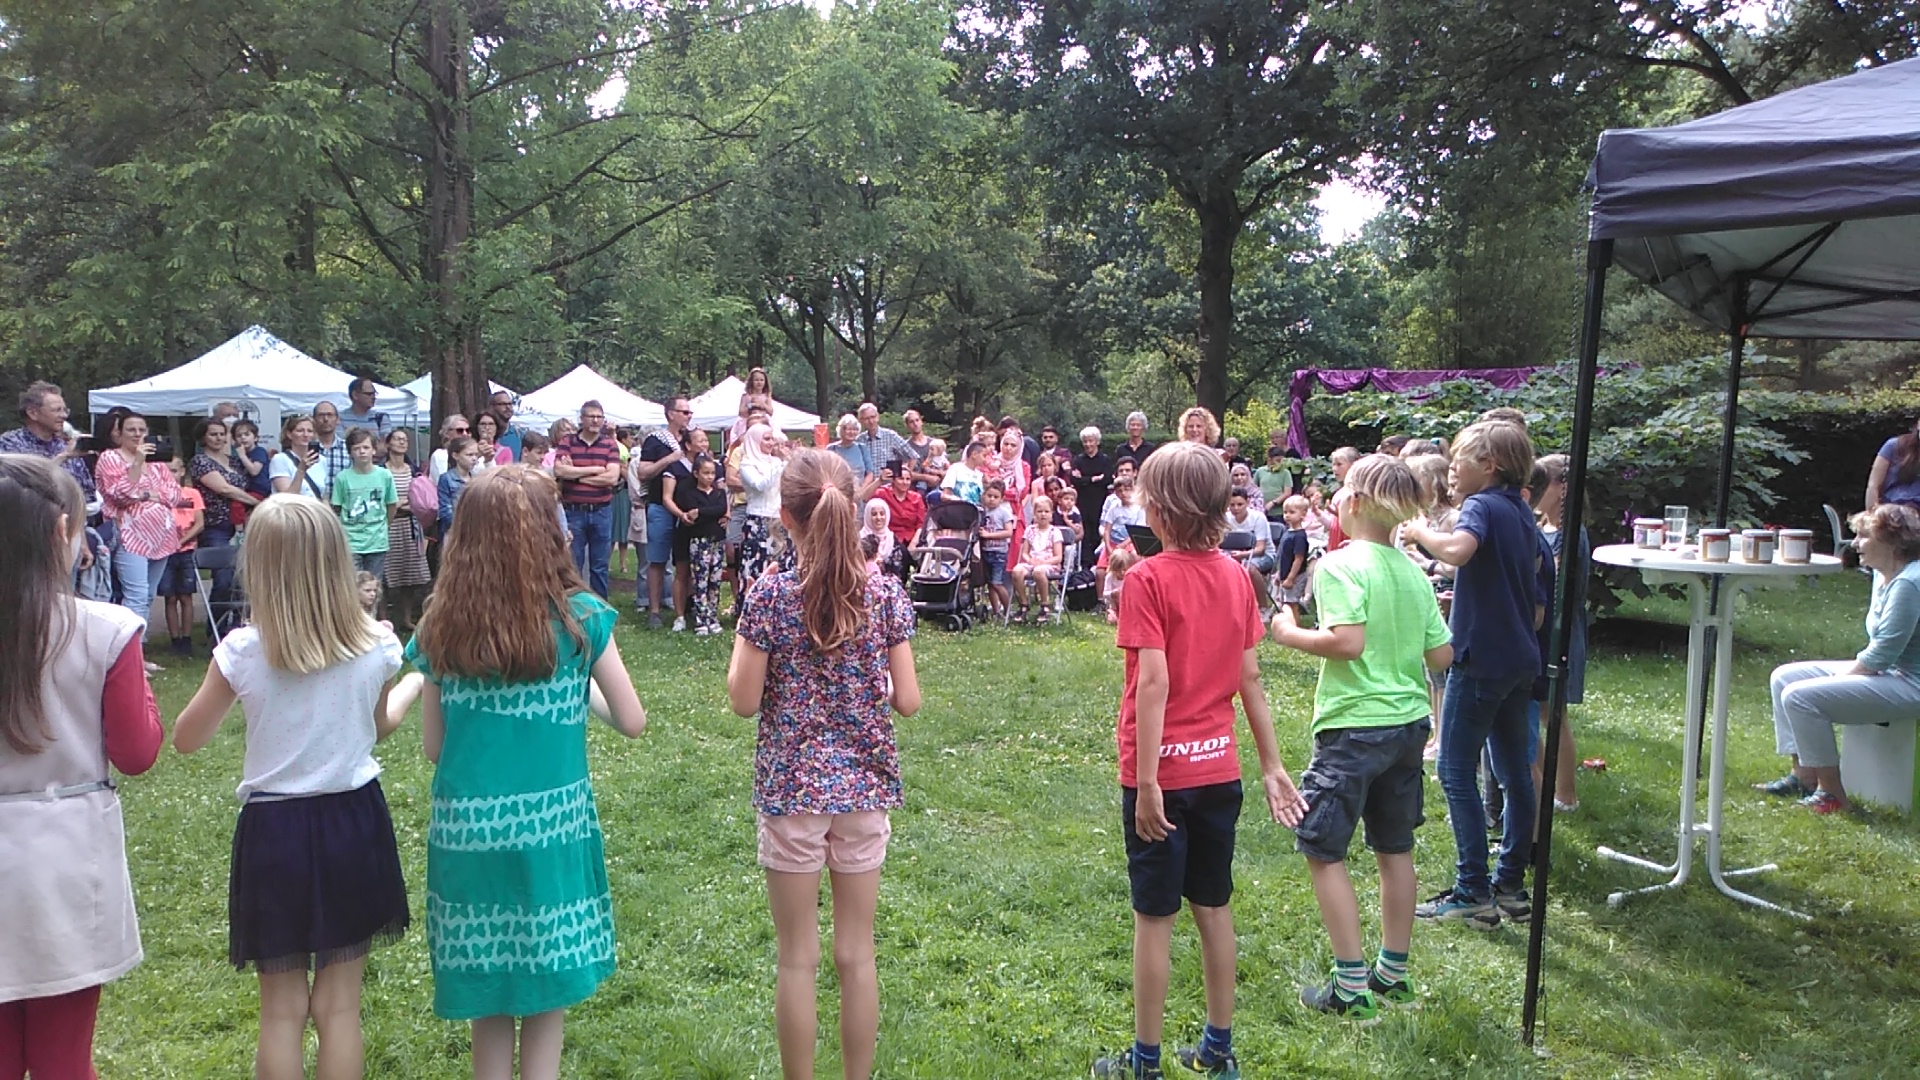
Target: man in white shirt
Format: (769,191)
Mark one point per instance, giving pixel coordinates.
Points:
(1258,556)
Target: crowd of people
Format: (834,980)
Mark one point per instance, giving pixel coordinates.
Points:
(516,650)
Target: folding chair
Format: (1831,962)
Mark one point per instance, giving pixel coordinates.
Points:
(1069,566)
(224,614)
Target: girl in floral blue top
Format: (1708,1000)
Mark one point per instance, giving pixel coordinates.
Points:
(823,658)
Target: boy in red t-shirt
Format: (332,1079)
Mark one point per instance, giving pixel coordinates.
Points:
(1184,611)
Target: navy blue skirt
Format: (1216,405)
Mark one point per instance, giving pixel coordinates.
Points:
(315,881)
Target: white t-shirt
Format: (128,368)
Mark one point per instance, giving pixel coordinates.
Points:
(283,467)
(307,734)
(965,482)
(1255,524)
(1037,545)
(1115,517)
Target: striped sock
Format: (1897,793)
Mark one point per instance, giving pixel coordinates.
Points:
(1391,967)
(1145,1058)
(1350,977)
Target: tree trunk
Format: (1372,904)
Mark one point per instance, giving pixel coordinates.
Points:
(1220,221)
(452,344)
(822,364)
(869,354)
(756,354)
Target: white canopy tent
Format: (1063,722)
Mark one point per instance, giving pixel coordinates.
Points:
(422,391)
(719,407)
(264,376)
(564,396)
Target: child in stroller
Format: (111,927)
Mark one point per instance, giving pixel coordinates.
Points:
(942,586)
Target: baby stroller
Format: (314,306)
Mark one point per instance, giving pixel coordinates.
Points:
(942,586)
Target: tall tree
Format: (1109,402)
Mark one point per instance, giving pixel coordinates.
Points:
(1232,103)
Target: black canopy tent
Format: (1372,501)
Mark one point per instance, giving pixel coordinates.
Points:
(1796,216)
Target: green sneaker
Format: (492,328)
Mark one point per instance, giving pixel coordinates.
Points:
(1120,1067)
(1393,995)
(1329,999)
(1188,1057)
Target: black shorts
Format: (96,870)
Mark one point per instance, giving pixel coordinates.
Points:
(1363,774)
(1195,861)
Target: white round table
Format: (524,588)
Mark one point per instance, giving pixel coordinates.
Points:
(1710,608)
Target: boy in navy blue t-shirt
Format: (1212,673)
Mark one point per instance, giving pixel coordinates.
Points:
(1497,609)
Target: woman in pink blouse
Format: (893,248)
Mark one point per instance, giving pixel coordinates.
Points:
(138,494)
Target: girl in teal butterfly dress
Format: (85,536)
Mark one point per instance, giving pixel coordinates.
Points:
(513,646)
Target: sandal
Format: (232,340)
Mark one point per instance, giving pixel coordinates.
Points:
(1821,802)
(1018,618)
(1788,786)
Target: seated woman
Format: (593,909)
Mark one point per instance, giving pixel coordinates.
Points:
(1895,476)
(1880,684)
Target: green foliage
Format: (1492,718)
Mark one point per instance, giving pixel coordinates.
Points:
(1655,438)
(1251,424)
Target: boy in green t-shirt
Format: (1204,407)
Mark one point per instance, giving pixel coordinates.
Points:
(365,498)
(1380,631)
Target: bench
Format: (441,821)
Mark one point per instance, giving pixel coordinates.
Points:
(1877,763)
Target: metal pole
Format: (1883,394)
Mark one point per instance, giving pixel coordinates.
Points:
(1723,486)
(1573,519)
(1737,352)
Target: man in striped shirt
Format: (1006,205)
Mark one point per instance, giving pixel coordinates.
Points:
(587,464)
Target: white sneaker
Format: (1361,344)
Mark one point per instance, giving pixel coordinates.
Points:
(152,668)
(679,625)
(701,631)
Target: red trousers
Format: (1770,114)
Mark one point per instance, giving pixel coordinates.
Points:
(50,1038)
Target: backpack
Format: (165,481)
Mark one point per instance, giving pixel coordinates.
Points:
(423,498)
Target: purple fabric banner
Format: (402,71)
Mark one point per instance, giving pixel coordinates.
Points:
(1347,380)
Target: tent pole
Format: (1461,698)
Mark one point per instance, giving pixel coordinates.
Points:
(1573,519)
(1723,486)
(1737,352)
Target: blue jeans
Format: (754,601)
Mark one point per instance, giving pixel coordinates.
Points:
(138,576)
(222,591)
(660,526)
(592,529)
(1491,713)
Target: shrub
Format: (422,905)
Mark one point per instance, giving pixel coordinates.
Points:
(1655,440)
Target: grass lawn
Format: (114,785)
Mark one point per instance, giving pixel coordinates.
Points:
(1004,931)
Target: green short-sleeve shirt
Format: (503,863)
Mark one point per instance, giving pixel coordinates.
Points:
(1275,484)
(362,499)
(1378,587)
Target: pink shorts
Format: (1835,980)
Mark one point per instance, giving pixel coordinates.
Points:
(843,843)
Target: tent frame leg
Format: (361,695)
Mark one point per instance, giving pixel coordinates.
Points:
(1599,258)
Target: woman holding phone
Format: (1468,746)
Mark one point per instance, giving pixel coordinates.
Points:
(137,493)
(300,467)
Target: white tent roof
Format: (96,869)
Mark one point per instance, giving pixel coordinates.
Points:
(720,407)
(564,396)
(422,390)
(254,368)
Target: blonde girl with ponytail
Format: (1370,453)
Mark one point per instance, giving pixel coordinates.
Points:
(823,657)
